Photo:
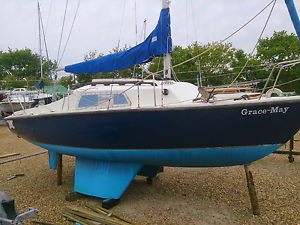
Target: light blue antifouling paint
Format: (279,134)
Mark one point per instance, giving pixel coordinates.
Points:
(208,157)
(156,44)
(107,173)
(103,179)
(52,159)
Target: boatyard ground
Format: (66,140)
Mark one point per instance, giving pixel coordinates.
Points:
(177,196)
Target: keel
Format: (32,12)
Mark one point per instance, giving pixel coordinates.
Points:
(103,179)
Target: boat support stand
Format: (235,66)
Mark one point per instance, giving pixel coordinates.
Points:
(252,191)
(290,152)
(55,163)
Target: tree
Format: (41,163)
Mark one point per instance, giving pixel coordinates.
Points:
(214,61)
(66,81)
(19,64)
(254,69)
(281,47)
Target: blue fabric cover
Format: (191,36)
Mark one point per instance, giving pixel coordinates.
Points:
(41,84)
(52,159)
(294,16)
(156,44)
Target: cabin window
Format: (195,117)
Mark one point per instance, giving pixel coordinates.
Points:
(88,100)
(120,99)
(103,97)
(102,100)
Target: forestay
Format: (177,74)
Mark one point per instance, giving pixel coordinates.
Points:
(156,44)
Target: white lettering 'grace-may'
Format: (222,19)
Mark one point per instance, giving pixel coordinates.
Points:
(272,110)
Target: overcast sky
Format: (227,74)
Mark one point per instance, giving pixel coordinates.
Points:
(100,24)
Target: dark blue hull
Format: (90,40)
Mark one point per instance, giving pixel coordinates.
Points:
(174,131)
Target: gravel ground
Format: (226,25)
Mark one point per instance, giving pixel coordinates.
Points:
(177,196)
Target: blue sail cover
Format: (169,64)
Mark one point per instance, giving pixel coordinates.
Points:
(156,44)
(41,84)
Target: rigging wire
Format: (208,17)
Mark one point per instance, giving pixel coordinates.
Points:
(71,29)
(118,47)
(45,42)
(135,20)
(221,75)
(40,44)
(225,39)
(267,67)
(186,22)
(143,32)
(194,20)
(62,30)
(48,18)
(136,34)
(259,38)
(122,23)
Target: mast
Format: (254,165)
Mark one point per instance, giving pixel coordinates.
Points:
(40,41)
(294,16)
(167,56)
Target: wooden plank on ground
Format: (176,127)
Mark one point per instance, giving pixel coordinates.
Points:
(8,155)
(105,211)
(76,218)
(92,216)
(23,157)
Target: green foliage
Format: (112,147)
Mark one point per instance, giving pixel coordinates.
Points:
(212,63)
(281,47)
(66,81)
(15,65)
(218,64)
(253,69)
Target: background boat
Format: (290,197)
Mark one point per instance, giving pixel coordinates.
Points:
(21,99)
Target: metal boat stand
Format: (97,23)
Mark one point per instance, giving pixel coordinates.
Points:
(252,191)
(290,152)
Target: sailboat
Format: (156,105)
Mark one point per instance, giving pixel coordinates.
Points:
(21,99)
(120,128)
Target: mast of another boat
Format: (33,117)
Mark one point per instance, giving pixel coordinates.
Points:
(167,56)
(40,42)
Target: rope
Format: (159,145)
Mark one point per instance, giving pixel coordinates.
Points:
(260,36)
(228,37)
(288,82)
(221,75)
(75,16)
(62,30)
(279,85)
(251,66)
(48,18)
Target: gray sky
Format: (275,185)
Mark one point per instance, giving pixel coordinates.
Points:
(100,24)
